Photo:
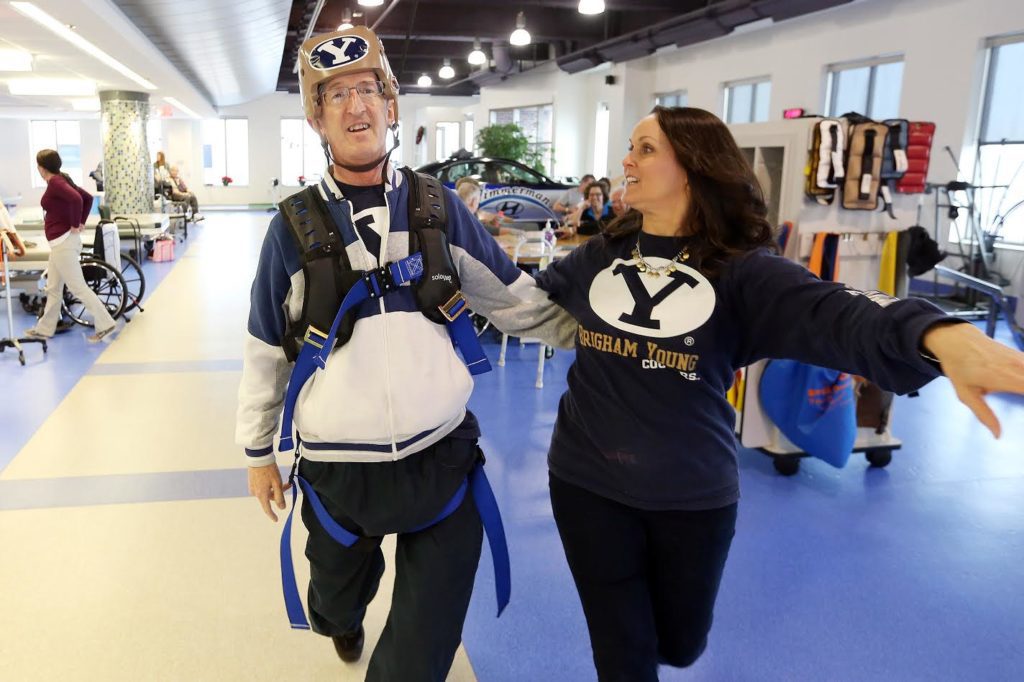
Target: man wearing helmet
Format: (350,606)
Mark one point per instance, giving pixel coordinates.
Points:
(385,439)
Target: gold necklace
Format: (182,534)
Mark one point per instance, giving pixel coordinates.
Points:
(657,270)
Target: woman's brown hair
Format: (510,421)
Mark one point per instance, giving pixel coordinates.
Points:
(727,213)
(50,161)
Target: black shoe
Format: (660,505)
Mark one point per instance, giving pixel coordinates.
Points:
(349,645)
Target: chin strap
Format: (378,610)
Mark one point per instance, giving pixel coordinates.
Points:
(362,168)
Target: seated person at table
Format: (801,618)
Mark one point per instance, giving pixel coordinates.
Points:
(619,207)
(592,217)
(180,192)
(573,197)
(468,190)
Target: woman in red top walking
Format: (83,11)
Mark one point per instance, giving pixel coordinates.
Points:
(65,207)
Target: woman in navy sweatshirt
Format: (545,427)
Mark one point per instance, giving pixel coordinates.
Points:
(676,295)
(66,206)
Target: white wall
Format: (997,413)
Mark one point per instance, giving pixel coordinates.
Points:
(423,110)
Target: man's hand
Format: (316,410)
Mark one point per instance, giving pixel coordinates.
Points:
(976,365)
(264,485)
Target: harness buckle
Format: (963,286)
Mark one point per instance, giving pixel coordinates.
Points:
(315,337)
(379,281)
(455,306)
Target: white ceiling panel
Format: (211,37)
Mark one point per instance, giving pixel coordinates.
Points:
(230,50)
(103,24)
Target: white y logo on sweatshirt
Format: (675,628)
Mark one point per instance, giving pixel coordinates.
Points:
(659,307)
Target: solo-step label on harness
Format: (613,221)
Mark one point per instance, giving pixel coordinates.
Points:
(865,184)
(901,160)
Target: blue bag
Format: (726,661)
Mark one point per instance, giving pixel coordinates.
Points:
(813,406)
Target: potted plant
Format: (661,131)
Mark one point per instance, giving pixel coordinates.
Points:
(302,181)
(226,180)
(508,141)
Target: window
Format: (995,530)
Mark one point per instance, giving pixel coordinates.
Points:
(1001,143)
(601,140)
(869,87)
(63,136)
(747,101)
(446,139)
(536,123)
(671,99)
(301,153)
(225,150)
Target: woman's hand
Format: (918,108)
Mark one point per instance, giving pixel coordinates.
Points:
(976,365)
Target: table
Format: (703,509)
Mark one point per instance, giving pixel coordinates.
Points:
(530,252)
(150,224)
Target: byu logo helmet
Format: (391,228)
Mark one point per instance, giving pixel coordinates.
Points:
(327,55)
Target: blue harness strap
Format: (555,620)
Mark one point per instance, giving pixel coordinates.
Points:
(317,346)
(486,506)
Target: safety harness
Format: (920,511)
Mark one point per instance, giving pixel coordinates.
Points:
(332,293)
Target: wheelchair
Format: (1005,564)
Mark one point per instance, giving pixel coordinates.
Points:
(130,268)
(107,283)
(120,289)
(104,280)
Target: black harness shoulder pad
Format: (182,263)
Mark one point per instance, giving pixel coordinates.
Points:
(428,225)
(326,269)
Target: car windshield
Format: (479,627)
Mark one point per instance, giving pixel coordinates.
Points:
(510,174)
(473,169)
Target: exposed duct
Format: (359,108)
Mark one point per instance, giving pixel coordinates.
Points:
(712,21)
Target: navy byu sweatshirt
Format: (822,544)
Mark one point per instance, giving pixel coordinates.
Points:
(645,420)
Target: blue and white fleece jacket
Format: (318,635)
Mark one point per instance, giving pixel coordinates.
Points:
(398,385)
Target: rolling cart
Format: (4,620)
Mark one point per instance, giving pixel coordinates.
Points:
(11,340)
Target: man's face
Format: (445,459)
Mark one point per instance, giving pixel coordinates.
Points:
(618,205)
(355,125)
(587,179)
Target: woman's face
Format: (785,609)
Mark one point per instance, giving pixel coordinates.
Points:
(654,179)
(595,198)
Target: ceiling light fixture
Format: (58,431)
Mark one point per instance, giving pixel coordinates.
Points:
(477,56)
(346,20)
(65,32)
(55,87)
(15,60)
(178,105)
(447,72)
(425,81)
(591,6)
(371,3)
(520,36)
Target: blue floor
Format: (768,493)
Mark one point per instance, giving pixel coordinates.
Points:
(913,572)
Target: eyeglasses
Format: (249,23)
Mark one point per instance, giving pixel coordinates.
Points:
(337,95)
